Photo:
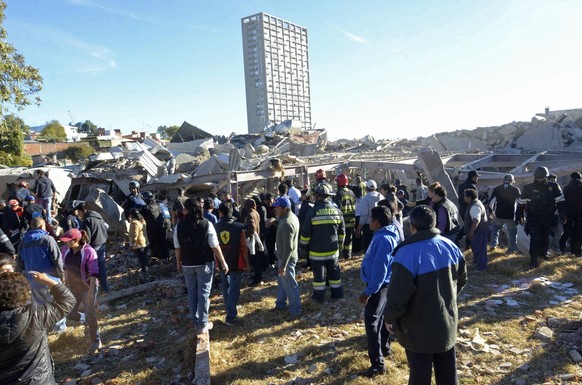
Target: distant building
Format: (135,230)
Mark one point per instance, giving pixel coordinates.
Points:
(73,134)
(276,72)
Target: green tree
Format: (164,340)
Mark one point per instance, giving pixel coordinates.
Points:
(19,82)
(12,131)
(77,152)
(168,132)
(88,127)
(53,132)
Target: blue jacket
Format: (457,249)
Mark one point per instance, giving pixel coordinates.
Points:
(376,269)
(40,252)
(428,272)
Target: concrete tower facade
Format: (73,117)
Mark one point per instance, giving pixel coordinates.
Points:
(276,72)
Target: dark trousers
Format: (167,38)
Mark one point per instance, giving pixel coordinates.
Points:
(270,239)
(347,250)
(576,238)
(326,270)
(101,251)
(445,368)
(573,232)
(479,249)
(376,332)
(539,239)
(367,235)
(356,240)
(258,263)
(142,257)
(158,246)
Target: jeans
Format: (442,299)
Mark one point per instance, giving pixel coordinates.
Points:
(479,248)
(445,367)
(198,283)
(46,203)
(101,250)
(82,297)
(496,225)
(231,292)
(288,289)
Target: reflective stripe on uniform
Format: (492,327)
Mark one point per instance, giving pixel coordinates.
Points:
(326,221)
(319,285)
(559,199)
(324,254)
(335,284)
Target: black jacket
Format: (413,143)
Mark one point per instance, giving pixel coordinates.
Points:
(96,228)
(539,200)
(152,213)
(5,244)
(467,184)
(506,196)
(44,187)
(24,351)
(573,196)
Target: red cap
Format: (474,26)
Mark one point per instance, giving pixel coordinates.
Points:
(71,234)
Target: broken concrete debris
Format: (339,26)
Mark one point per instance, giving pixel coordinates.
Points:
(250,163)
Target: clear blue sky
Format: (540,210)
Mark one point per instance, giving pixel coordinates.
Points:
(392,69)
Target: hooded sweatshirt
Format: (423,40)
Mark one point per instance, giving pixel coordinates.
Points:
(40,252)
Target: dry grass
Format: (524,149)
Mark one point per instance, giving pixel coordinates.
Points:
(151,342)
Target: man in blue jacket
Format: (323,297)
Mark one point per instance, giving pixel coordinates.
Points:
(40,252)
(376,273)
(423,318)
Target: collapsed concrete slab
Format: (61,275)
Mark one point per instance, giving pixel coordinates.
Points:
(99,201)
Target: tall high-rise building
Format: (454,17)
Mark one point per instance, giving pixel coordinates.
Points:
(276,72)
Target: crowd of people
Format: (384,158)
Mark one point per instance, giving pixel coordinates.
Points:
(269,234)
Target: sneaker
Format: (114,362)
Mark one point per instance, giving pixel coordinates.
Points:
(234,322)
(206,328)
(387,352)
(373,372)
(293,317)
(94,347)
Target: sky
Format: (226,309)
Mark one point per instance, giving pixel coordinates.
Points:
(386,68)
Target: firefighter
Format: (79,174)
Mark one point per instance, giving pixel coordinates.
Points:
(346,202)
(540,200)
(322,237)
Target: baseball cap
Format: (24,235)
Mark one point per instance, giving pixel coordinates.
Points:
(282,202)
(29,198)
(71,234)
(473,173)
(371,184)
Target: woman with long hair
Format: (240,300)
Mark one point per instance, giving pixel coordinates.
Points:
(137,238)
(81,276)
